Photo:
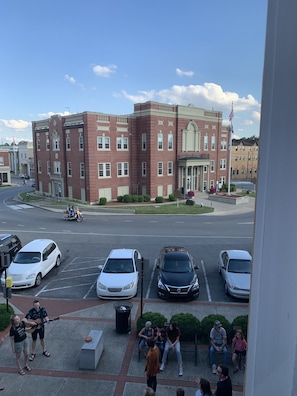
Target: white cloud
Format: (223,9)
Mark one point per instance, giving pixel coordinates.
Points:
(104,71)
(182,73)
(70,79)
(143,96)
(15,124)
(256,115)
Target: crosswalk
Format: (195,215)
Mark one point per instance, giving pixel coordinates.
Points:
(20,207)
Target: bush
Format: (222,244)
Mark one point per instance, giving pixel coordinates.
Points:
(127,198)
(212,190)
(242,322)
(134,198)
(146,198)
(120,198)
(102,201)
(159,199)
(5,316)
(172,197)
(190,202)
(191,194)
(140,198)
(225,187)
(207,324)
(155,317)
(188,324)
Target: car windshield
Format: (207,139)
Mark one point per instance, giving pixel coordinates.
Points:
(118,266)
(27,257)
(177,264)
(239,266)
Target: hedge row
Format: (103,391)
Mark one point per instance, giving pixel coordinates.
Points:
(5,316)
(189,325)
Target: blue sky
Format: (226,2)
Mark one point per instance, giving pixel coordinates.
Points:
(65,56)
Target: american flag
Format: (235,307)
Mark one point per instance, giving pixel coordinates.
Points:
(231,115)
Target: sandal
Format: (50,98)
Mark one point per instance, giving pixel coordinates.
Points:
(46,353)
(22,372)
(27,368)
(32,357)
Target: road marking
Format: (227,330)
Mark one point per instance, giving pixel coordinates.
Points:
(151,280)
(206,281)
(21,206)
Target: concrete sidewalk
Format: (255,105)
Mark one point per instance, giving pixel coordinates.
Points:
(118,371)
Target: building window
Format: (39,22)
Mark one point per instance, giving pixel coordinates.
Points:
(223,164)
(212,166)
(48,167)
(160,141)
(47,144)
(82,170)
(81,142)
(170,141)
(170,168)
(206,142)
(160,168)
(39,166)
(56,143)
(143,141)
(103,143)
(38,144)
(1,161)
(68,147)
(69,169)
(213,142)
(223,145)
(143,168)
(123,169)
(205,169)
(122,143)
(104,170)
(57,167)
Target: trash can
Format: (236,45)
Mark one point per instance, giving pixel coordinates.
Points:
(123,316)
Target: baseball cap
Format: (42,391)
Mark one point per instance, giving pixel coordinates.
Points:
(217,323)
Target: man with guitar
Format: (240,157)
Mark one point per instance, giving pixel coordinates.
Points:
(38,314)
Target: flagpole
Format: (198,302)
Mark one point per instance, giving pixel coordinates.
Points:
(230,148)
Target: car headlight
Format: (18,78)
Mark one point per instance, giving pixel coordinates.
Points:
(195,283)
(31,276)
(101,286)
(129,286)
(161,285)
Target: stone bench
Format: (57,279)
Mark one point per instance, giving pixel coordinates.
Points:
(91,351)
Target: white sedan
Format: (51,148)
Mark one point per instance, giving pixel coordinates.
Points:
(235,268)
(119,276)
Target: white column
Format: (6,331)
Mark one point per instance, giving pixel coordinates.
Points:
(272,333)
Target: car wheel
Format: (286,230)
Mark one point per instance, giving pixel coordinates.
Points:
(58,261)
(226,289)
(38,280)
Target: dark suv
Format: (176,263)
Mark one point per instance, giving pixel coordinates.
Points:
(177,277)
(10,243)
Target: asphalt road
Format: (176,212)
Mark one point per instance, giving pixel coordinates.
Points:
(85,245)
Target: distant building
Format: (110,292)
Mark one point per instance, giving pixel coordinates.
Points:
(244,159)
(155,151)
(4,168)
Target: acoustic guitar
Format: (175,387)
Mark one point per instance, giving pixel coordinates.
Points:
(39,323)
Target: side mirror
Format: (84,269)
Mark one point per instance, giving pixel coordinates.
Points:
(100,267)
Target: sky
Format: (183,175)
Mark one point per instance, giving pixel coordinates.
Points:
(66,57)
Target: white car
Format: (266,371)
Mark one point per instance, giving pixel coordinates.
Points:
(32,263)
(119,276)
(235,268)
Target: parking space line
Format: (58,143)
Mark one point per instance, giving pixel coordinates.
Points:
(90,289)
(206,281)
(151,280)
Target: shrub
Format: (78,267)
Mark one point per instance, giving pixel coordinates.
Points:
(155,317)
(146,198)
(242,322)
(207,324)
(212,190)
(127,198)
(190,202)
(225,187)
(172,197)
(191,194)
(159,199)
(5,316)
(140,198)
(102,201)
(134,198)
(188,324)
(120,198)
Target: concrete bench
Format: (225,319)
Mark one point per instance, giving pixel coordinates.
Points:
(91,351)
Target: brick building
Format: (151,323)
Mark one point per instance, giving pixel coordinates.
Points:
(155,151)
(244,162)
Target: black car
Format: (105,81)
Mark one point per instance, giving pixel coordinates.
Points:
(10,244)
(177,277)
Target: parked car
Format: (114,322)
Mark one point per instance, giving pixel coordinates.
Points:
(177,276)
(235,267)
(10,244)
(33,262)
(118,278)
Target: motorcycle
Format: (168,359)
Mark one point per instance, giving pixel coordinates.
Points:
(73,214)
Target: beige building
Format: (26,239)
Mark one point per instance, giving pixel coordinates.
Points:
(244,159)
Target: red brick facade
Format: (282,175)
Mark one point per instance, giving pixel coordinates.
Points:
(155,151)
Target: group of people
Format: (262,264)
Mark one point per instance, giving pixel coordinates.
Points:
(160,340)
(33,322)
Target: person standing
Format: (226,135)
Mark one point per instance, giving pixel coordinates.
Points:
(19,341)
(172,342)
(203,387)
(218,342)
(38,313)
(152,364)
(224,385)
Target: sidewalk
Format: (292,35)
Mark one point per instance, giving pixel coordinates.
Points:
(118,372)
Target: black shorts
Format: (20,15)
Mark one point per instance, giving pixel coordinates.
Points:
(40,332)
(238,353)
